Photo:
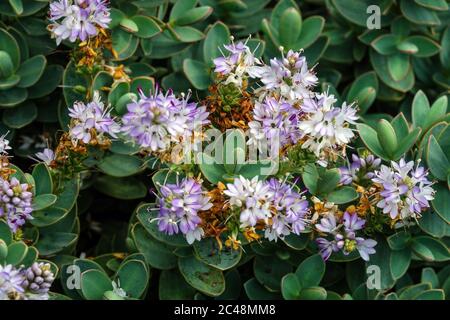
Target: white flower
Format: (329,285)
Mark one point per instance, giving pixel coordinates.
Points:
(47,156)
(4,144)
(326,127)
(253,197)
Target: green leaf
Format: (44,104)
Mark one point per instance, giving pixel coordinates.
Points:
(94,284)
(418,14)
(43,201)
(31,70)
(412,291)
(356,11)
(208,251)
(445,51)
(42,175)
(437,160)
(433,294)
(407,143)
(310,177)
(17,6)
(407,47)
(385,44)
(211,170)
(11,81)
(387,137)
(311,271)
(382,259)
(313,293)
(119,165)
(21,115)
(187,34)
(290,27)
(147,27)
(428,275)
(6,65)
(343,195)
(192,16)
(316,50)
(5,232)
(398,66)
(180,8)
(255,291)
(133,277)
(172,286)
(311,29)
(17,251)
(426,47)
(364,90)
(48,216)
(400,261)
(10,46)
(157,254)
(290,287)
(205,279)
(51,243)
(197,72)
(370,138)
(399,240)
(380,65)
(217,36)
(12,97)
(441,201)
(48,82)
(430,249)
(127,188)
(269,271)
(438,5)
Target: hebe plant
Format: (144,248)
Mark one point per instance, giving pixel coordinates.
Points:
(127,169)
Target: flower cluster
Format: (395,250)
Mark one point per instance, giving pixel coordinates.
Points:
(179,205)
(274,204)
(405,191)
(91,122)
(361,169)
(239,64)
(274,121)
(343,233)
(78,19)
(158,121)
(15,202)
(288,78)
(326,127)
(31,283)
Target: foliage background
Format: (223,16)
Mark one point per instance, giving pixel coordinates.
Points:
(172,43)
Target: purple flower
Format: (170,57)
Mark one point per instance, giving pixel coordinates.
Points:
(326,247)
(365,247)
(290,210)
(78,19)
(87,117)
(11,280)
(326,128)
(15,203)
(179,205)
(47,156)
(274,120)
(344,237)
(360,169)
(327,224)
(238,64)
(252,198)
(405,191)
(289,77)
(157,121)
(352,222)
